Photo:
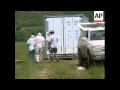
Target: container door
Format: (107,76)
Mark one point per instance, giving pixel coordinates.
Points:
(68,35)
(76,30)
(49,26)
(58,27)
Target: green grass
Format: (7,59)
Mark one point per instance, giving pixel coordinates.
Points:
(65,69)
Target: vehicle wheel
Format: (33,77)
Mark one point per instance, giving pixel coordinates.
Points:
(100,62)
(103,63)
(88,62)
(80,58)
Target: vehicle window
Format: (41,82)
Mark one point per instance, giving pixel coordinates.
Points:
(85,34)
(97,35)
(81,34)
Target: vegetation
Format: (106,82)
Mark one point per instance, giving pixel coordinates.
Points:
(65,69)
(33,21)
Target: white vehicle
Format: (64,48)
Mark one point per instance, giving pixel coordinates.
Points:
(91,44)
(65,27)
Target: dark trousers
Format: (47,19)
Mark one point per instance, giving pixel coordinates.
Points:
(31,54)
(53,53)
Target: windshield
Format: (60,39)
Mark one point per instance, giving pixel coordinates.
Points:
(97,35)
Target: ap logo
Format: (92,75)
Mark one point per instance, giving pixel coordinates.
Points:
(98,16)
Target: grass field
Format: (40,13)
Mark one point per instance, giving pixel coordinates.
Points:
(65,69)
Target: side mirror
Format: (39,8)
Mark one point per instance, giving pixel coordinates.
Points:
(84,39)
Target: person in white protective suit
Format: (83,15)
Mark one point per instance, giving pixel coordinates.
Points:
(31,46)
(40,43)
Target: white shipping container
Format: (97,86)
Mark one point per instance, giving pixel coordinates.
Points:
(65,27)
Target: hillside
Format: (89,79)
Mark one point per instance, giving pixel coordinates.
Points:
(33,21)
(36,18)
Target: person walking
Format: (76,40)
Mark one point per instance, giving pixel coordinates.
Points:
(52,45)
(40,41)
(31,47)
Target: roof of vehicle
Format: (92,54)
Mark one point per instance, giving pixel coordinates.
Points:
(94,29)
(92,26)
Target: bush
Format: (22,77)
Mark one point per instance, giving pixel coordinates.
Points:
(22,36)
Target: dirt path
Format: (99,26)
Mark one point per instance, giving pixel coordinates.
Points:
(43,74)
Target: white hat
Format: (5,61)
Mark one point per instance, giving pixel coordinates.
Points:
(51,31)
(32,36)
(39,34)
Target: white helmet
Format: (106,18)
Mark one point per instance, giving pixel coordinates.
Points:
(32,36)
(39,34)
(51,31)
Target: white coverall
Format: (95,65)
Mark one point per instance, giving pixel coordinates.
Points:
(32,43)
(40,40)
(31,48)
